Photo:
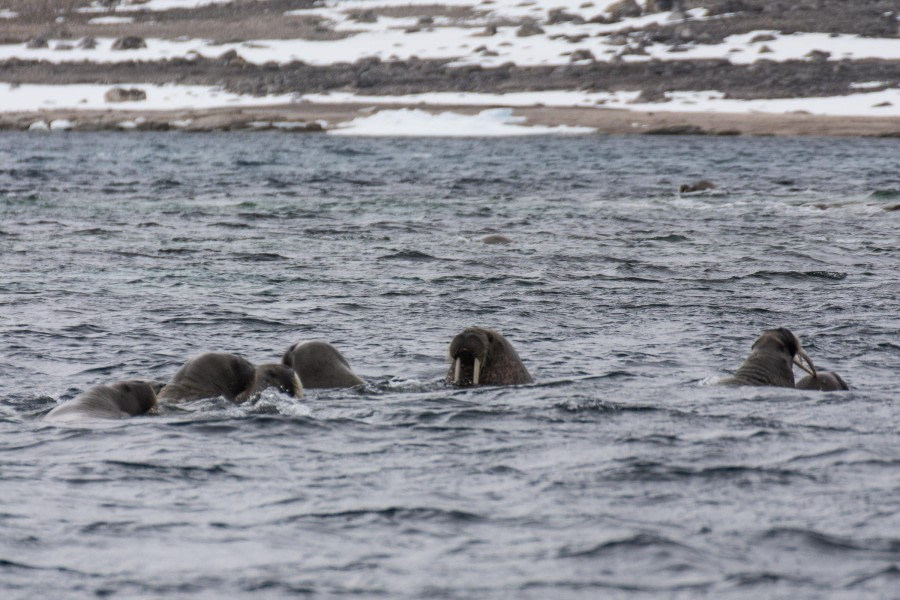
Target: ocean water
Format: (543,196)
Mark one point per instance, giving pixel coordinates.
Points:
(622,472)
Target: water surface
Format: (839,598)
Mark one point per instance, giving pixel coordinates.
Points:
(621,473)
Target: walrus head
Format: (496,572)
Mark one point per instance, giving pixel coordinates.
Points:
(469,352)
(783,340)
(135,397)
(278,377)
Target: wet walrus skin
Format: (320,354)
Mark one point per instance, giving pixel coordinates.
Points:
(212,375)
(771,361)
(320,365)
(279,377)
(824,381)
(480,356)
(116,401)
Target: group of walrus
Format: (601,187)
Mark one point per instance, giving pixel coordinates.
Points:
(477,356)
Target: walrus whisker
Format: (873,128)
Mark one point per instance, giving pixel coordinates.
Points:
(456,371)
(477,374)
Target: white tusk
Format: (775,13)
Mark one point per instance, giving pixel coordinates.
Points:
(456,373)
(477,374)
(801,354)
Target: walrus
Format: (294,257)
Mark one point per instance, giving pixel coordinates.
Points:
(481,356)
(825,381)
(320,365)
(697,186)
(771,361)
(279,377)
(115,401)
(495,239)
(211,375)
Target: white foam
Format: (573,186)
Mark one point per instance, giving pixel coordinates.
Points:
(5,13)
(419,123)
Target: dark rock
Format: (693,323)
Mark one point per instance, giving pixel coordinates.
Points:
(36,43)
(488,31)
(624,9)
(559,15)
(363,16)
(818,55)
(763,37)
(87,43)
(232,58)
(648,95)
(124,95)
(582,54)
(529,29)
(129,43)
(677,130)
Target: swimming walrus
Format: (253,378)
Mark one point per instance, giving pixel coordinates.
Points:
(320,365)
(115,401)
(211,375)
(279,377)
(825,381)
(771,361)
(480,356)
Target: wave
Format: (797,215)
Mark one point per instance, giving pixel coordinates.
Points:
(394,514)
(649,470)
(413,255)
(888,548)
(638,541)
(885,194)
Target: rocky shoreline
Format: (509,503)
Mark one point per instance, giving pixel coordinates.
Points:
(319,118)
(817,74)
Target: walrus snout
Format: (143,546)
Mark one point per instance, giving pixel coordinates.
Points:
(468,352)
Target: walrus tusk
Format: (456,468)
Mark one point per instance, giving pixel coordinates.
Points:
(477,372)
(456,373)
(801,353)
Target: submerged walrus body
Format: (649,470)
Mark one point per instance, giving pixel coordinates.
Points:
(116,401)
(771,361)
(320,365)
(480,356)
(824,381)
(212,375)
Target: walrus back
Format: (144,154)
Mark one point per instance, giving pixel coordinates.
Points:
(762,370)
(117,401)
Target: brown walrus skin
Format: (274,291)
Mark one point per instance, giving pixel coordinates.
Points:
(771,360)
(320,365)
(824,381)
(115,401)
(497,361)
(279,377)
(211,375)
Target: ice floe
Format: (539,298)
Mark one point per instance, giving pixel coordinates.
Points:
(419,123)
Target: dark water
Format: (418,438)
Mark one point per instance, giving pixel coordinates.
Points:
(621,473)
